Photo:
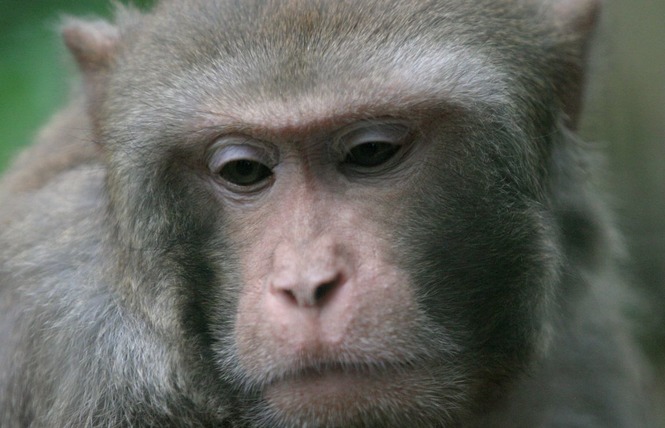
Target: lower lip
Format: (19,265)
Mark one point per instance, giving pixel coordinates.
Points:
(334,388)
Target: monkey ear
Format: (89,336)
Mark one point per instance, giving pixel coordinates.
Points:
(92,43)
(575,21)
(578,17)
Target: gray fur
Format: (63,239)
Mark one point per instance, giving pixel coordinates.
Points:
(119,280)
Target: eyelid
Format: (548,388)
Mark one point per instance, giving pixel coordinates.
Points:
(391,132)
(234,148)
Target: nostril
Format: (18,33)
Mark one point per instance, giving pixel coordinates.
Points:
(323,291)
(304,294)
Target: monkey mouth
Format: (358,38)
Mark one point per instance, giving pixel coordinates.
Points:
(331,381)
(322,368)
(336,377)
(336,369)
(354,390)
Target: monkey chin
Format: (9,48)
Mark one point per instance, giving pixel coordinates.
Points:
(350,397)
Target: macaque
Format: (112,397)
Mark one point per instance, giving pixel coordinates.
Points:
(317,213)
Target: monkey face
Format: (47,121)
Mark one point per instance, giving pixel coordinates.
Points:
(368,242)
(349,304)
(325,316)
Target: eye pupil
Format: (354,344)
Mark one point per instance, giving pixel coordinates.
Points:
(245,172)
(245,168)
(371,154)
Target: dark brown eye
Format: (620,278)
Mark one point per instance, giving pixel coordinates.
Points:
(369,145)
(245,172)
(244,165)
(371,154)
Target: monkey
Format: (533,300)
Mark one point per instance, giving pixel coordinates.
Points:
(317,213)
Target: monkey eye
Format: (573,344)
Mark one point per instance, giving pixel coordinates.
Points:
(245,172)
(373,145)
(372,154)
(242,167)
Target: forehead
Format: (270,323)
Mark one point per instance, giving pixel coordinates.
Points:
(318,58)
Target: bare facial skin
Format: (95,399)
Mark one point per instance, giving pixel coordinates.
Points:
(316,213)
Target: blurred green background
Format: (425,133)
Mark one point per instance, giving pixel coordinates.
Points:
(35,70)
(625,113)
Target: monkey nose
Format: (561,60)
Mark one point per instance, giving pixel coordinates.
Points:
(309,274)
(313,290)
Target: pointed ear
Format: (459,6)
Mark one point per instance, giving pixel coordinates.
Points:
(575,22)
(93,45)
(577,17)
